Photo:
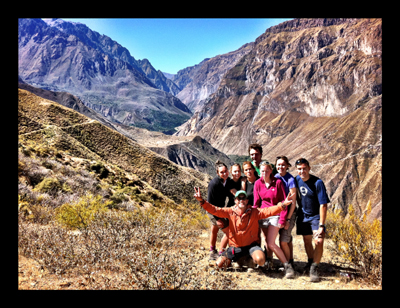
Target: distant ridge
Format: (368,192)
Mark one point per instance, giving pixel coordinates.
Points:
(64,56)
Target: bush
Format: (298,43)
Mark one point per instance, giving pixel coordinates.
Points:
(100,169)
(80,214)
(49,185)
(150,249)
(357,243)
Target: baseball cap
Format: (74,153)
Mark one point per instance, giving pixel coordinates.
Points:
(239,192)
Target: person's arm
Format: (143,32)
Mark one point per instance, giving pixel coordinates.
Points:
(292,207)
(271,210)
(213,210)
(322,216)
(244,180)
(281,195)
(323,200)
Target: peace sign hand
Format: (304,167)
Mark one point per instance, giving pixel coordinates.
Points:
(288,200)
(197,194)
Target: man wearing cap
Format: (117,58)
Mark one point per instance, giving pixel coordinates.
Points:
(243,232)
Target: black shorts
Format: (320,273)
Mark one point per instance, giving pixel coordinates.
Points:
(235,253)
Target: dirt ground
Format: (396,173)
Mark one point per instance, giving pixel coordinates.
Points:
(31,276)
(273,279)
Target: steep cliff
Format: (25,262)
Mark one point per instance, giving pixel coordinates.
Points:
(200,81)
(308,88)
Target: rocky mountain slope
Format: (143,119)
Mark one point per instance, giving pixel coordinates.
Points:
(58,128)
(193,152)
(308,88)
(189,151)
(65,56)
(200,81)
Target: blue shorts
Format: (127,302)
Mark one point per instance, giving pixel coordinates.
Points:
(306,228)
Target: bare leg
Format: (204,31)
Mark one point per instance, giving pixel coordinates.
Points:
(271,237)
(258,257)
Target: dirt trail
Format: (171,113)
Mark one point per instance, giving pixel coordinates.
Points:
(260,279)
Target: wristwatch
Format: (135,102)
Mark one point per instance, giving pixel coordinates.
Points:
(323,226)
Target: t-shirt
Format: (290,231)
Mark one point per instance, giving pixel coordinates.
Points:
(288,180)
(257,168)
(312,195)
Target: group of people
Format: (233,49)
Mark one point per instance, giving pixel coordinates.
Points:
(262,204)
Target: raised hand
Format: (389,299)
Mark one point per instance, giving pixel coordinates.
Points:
(197,194)
(288,198)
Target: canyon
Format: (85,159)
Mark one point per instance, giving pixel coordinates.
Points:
(304,88)
(308,88)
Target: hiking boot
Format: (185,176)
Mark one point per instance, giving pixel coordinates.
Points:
(289,271)
(268,263)
(306,269)
(213,255)
(314,277)
(292,263)
(249,262)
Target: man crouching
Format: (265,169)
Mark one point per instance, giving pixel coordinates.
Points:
(243,232)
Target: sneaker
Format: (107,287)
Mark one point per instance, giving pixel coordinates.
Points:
(289,271)
(213,255)
(314,277)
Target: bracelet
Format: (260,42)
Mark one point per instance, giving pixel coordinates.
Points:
(202,202)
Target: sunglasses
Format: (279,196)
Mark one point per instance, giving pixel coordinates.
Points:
(242,197)
(302,161)
(264,163)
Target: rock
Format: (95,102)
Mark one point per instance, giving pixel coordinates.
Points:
(308,88)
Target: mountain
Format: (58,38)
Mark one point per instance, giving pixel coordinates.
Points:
(193,152)
(189,151)
(65,56)
(203,79)
(68,100)
(56,128)
(307,88)
(158,78)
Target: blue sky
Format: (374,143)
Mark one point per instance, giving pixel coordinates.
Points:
(174,44)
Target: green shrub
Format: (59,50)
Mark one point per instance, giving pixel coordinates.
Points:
(80,214)
(48,185)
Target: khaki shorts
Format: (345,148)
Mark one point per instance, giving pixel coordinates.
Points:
(286,235)
(214,219)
